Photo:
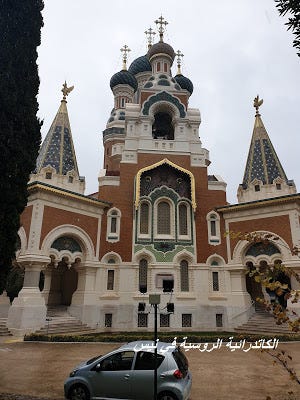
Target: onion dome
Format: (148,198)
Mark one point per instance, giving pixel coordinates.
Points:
(184,83)
(123,78)
(140,64)
(161,48)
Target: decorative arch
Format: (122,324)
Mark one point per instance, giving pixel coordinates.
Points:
(164,97)
(111,255)
(144,254)
(77,233)
(171,164)
(241,247)
(215,258)
(184,255)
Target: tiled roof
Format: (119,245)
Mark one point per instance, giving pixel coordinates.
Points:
(263,163)
(57,149)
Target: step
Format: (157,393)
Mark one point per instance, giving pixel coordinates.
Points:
(3,329)
(263,322)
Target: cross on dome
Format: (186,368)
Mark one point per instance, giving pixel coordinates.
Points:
(162,24)
(179,59)
(125,50)
(149,33)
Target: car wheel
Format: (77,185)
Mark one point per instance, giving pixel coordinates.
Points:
(167,396)
(79,392)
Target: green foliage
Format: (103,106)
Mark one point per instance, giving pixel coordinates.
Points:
(292,9)
(20,25)
(14,283)
(121,337)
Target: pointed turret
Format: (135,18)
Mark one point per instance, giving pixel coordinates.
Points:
(56,164)
(264,176)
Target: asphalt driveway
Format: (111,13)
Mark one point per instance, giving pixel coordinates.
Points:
(39,369)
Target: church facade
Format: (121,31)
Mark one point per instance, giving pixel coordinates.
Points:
(158,221)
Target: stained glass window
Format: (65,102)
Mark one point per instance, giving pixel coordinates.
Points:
(144,219)
(183,223)
(184,276)
(163,218)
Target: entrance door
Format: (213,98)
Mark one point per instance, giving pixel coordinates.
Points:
(63,285)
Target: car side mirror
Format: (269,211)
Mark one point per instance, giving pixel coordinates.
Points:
(98,367)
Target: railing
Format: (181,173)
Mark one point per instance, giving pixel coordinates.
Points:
(244,311)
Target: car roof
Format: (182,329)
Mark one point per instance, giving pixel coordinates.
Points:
(148,345)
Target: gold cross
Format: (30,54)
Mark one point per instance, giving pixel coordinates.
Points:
(162,22)
(149,33)
(125,50)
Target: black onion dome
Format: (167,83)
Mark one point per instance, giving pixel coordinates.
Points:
(184,83)
(123,78)
(140,64)
(161,48)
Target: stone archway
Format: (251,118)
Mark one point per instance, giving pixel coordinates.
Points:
(61,277)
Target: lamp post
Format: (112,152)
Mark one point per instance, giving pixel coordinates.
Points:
(154,300)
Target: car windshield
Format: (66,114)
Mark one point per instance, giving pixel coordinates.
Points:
(92,359)
(181,361)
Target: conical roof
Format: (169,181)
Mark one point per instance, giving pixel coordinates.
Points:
(57,149)
(263,163)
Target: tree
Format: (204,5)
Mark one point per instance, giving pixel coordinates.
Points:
(275,279)
(20,27)
(292,8)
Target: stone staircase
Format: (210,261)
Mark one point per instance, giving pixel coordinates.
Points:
(263,322)
(3,329)
(59,321)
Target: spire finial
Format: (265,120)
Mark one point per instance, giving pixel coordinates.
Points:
(257,103)
(66,90)
(163,23)
(125,50)
(149,33)
(179,59)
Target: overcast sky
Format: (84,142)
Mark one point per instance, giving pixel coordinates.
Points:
(233,50)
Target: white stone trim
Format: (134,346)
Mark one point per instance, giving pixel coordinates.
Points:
(77,233)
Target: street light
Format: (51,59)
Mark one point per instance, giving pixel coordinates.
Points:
(154,300)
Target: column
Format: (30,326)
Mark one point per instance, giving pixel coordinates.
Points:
(84,300)
(47,284)
(28,311)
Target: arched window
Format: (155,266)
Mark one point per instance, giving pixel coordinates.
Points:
(113,225)
(163,127)
(183,226)
(213,228)
(163,218)
(184,221)
(143,272)
(144,228)
(184,276)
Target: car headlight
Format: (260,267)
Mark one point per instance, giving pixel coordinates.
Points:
(73,373)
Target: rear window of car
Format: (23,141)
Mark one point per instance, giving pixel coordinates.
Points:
(181,361)
(146,360)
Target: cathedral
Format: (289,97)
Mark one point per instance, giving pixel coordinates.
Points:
(158,223)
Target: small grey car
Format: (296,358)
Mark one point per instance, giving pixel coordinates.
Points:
(128,373)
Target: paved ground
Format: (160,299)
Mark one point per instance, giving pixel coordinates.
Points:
(39,369)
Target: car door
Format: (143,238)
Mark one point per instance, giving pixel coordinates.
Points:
(112,378)
(142,378)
